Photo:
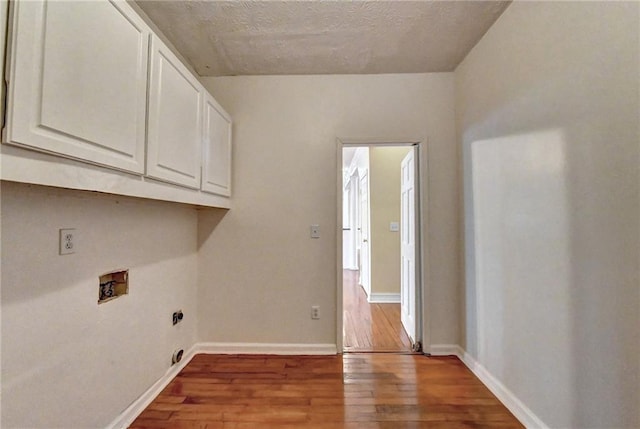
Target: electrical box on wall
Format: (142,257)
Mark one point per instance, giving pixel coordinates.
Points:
(113,285)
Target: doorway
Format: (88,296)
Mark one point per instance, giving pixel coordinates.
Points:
(381,278)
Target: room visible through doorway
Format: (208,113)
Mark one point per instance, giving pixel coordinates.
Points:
(380,281)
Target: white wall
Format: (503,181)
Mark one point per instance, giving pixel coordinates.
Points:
(259,270)
(547,111)
(67,361)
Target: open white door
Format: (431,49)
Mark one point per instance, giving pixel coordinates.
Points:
(365,262)
(408,246)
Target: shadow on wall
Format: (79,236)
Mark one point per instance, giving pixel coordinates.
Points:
(552,231)
(523,264)
(550,163)
(208,220)
(556,247)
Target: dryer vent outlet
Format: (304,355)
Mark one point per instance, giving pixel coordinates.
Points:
(177,356)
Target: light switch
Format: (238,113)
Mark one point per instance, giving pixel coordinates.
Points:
(315,231)
(394,226)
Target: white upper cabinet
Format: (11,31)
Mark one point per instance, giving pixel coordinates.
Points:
(89,81)
(78,81)
(216,165)
(175,120)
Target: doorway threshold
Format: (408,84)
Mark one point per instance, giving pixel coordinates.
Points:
(391,352)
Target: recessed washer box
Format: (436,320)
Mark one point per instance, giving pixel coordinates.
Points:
(113,285)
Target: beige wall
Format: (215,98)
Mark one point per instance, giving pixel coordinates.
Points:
(260,273)
(548,113)
(67,361)
(384,173)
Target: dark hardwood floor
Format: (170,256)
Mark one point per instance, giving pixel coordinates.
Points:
(370,327)
(376,390)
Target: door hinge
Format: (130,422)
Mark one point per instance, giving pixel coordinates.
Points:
(416,347)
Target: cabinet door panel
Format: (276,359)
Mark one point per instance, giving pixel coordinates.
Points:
(175,118)
(78,81)
(217,150)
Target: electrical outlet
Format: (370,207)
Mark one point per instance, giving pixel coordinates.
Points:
(67,241)
(315,312)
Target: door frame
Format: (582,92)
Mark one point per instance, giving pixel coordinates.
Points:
(422,247)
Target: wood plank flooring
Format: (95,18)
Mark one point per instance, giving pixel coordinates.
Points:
(370,327)
(325,392)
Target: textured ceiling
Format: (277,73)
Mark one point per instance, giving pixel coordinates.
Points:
(223,38)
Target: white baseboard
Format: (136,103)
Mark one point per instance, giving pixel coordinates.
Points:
(445,350)
(384,298)
(127,417)
(519,409)
(267,348)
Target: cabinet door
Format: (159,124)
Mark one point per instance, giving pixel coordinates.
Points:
(175,120)
(216,175)
(78,81)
